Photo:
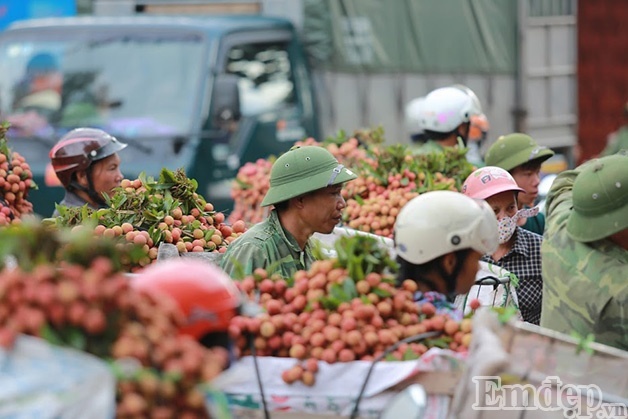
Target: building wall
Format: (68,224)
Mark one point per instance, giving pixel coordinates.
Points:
(602,71)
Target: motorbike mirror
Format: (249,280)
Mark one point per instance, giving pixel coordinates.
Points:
(225,102)
(410,403)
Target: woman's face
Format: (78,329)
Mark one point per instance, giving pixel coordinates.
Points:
(503,204)
(106,174)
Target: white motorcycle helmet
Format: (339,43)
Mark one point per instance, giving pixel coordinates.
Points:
(444,109)
(474,98)
(413,116)
(440,222)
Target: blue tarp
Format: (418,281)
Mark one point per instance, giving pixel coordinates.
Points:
(12,10)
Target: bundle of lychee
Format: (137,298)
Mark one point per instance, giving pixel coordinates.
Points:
(253,179)
(393,175)
(85,302)
(148,212)
(341,310)
(16,179)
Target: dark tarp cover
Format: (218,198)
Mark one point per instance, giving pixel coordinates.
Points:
(429,36)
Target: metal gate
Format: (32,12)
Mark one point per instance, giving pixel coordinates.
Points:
(546,90)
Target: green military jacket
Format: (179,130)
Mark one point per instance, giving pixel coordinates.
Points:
(617,141)
(584,284)
(266,245)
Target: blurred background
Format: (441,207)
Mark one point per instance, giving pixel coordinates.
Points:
(555,69)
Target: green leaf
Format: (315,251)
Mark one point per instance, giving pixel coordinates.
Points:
(166,176)
(410,355)
(77,339)
(584,342)
(381,293)
(330,303)
(514,280)
(390,358)
(504,314)
(338,293)
(442,342)
(49,334)
(349,288)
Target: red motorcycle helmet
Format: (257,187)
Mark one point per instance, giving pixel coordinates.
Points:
(79,148)
(207,297)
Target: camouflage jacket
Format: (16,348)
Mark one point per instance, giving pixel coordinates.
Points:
(585,288)
(617,141)
(267,245)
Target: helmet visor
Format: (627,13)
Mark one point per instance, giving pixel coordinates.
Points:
(108,149)
(482,234)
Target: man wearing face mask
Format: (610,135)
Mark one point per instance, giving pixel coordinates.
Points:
(445,117)
(519,250)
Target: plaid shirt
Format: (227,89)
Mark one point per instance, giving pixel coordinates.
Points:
(524,260)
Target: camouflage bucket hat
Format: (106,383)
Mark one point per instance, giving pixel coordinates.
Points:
(512,150)
(600,199)
(302,170)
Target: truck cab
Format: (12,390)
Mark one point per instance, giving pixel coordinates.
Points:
(203,94)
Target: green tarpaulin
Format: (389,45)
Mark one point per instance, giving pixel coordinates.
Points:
(440,36)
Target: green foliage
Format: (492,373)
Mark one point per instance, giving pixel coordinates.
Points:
(32,243)
(362,255)
(584,342)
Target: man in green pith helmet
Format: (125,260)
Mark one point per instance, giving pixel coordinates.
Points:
(522,157)
(305,190)
(585,252)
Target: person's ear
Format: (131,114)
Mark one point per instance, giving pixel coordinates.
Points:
(81,178)
(298,202)
(448,262)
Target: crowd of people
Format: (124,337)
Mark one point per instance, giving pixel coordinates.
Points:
(571,261)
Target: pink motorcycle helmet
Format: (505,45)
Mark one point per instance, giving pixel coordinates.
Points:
(488,181)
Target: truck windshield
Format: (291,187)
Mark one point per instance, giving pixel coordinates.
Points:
(134,84)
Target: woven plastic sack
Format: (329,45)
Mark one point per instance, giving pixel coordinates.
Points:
(40,380)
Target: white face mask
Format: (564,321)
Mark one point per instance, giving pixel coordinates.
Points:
(508,225)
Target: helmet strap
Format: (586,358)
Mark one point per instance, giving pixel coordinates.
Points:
(451,280)
(91,191)
(465,138)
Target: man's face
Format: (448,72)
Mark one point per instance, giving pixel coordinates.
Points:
(528,179)
(106,174)
(47,81)
(323,209)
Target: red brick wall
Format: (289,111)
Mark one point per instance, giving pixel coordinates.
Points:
(602,71)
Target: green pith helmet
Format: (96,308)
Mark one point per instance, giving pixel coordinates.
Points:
(302,170)
(512,150)
(600,199)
